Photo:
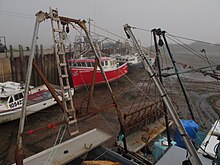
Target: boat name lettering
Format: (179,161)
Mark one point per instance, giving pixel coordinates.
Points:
(75,73)
(15,104)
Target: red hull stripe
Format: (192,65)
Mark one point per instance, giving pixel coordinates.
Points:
(83,76)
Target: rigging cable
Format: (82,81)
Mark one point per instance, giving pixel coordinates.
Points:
(189,39)
(14,14)
(190,49)
(176,36)
(52,153)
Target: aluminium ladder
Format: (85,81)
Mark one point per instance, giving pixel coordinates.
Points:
(59,46)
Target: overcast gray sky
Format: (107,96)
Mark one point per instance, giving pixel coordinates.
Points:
(197,19)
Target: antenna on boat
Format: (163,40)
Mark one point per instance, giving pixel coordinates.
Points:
(195,159)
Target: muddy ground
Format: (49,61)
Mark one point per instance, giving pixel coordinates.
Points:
(204,100)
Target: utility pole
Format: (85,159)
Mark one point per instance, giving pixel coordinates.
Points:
(89,22)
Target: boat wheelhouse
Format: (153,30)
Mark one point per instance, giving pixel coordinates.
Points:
(130,59)
(82,70)
(11,100)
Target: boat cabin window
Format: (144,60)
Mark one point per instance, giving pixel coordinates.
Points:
(74,64)
(71,64)
(83,64)
(79,64)
(89,64)
(113,62)
(4,99)
(106,63)
(11,99)
(102,63)
(18,96)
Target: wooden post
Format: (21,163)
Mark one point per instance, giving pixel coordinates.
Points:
(37,61)
(56,78)
(21,58)
(70,55)
(47,57)
(45,65)
(50,63)
(92,84)
(2,75)
(14,73)
(53,68)
(41,62)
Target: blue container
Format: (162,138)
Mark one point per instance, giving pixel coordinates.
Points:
(160,147)
(191,128)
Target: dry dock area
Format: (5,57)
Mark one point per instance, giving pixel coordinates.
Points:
(204,96)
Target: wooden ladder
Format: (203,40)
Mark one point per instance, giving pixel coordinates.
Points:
(59,46)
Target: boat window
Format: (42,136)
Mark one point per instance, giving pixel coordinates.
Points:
(102,63)
(20,95)
(11,99)
(89,64)
(74,64)
(111,62)
(79,64)
(106,63)
(16,97)
(83,64)
(4,99)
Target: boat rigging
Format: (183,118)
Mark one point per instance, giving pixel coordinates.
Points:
(166,99)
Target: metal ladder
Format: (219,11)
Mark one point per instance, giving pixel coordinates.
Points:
(59,46)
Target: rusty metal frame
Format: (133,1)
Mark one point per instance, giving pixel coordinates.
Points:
(137,117)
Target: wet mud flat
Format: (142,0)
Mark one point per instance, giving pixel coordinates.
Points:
(204,97)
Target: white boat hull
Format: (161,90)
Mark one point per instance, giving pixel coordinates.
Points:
(11,100)
(16,113)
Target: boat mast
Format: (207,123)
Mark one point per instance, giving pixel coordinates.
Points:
(67,104)
(161,80)
(82,24)
(40,16)
(122,131)
(195,159)
(159,32)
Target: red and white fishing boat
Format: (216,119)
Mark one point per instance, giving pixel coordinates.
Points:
(82,70)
